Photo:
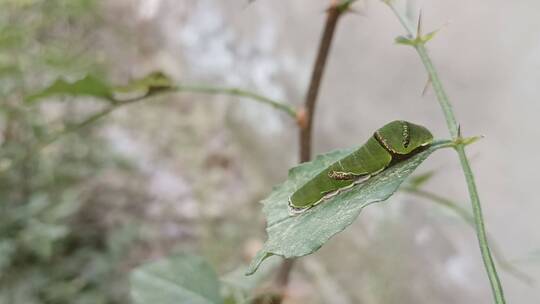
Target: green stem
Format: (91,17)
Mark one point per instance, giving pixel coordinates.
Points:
(462,212)
(181,88)
(444,102)
(238,93)
(439,91)
(116,104)
(433,75)
(491,270)
(502,261)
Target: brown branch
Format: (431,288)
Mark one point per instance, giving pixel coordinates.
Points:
(332,17)
(306,114)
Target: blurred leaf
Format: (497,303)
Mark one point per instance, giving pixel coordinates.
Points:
(427,37)
(178,279)
(10,37)
(51,249)
(150,84)
(419,180)
(416,41)
(88,86)
(9,70)
(238,287)
(96,87)
(40,237)
(67,206)
(531,257)
(295,236)
(120,240)
(7,251)
(405,40)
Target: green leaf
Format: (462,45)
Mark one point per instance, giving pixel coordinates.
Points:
(88,86)
(177,279)
(11,37)
(405,40)
(151,84)
(295,236)
(95,87)
(427,37)
(40,237)
(153,81)
(419,180)
(238,288)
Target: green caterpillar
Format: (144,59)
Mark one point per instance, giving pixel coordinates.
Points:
(394,142)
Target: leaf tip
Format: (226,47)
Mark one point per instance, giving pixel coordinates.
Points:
(257,261)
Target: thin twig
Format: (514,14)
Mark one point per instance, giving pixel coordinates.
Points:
(203,89)
(117,104)
(418,42)
(333,14)
(238,93)
(306,130)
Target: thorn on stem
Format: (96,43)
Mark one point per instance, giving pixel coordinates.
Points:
(419,26)
(426,87)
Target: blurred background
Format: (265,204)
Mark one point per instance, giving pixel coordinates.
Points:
(185,172)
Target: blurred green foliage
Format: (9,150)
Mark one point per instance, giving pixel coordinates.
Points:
(53,248)
(185,278)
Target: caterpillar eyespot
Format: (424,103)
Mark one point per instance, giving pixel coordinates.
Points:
(406,135)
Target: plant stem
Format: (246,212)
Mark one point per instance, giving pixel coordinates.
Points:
(306,130)
(116,104)
(238,93)
(333,14)
(462,212)
(502,261)
(439,91)
(491,270)
(451,122)
(203,89)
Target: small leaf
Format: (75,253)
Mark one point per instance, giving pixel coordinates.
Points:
(427,37)
(178,279)
(150,84)
(405,40)
(95,87)
(88,86)
(295,236)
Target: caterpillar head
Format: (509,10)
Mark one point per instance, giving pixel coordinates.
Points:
(403,137)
